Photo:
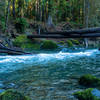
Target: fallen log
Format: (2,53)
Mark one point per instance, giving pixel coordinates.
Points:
(78,31)
(4,49)
(45,36)
(10,52)
(89,35)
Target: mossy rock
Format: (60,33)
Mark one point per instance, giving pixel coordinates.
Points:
(69,43)
(75,42)
(13,95)
(23,42)
(89,81)
(19,40)
(86,95)
(62,42)
(48,44)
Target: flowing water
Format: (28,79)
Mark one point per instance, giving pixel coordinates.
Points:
(48,76)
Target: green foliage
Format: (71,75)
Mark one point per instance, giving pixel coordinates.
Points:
(69,43)
(13,95)
(25,43)
(2,23)
(30,46)
(73,11)
(62,42)
(75,42)
(48,44)
(85,95)
(89,80)
(21,24)
(20,40)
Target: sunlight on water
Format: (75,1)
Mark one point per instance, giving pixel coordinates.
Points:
(11,63)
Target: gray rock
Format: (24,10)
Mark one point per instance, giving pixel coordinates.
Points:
(96,92)
(2,90)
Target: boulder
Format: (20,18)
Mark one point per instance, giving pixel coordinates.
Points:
(89,81)
(48,44)
(88,94)
(12,95)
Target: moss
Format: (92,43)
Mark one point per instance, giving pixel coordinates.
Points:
(30,46)
(13,95)
(25,43)
(19,40)
(48,44)
(85,95)
(69,43)
(89,80)
(62,42)
(75,42)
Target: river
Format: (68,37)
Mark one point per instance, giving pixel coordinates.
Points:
(48,76)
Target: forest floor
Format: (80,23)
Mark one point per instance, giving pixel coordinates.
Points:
(33,28)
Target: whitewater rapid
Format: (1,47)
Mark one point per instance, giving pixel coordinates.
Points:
(12,63)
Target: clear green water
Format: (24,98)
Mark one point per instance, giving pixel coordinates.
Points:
(48,76)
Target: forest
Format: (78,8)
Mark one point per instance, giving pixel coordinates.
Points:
(80,13)
(23,17)
(49,49)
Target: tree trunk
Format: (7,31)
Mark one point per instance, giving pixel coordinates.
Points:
(13,8)
(86,5)
(7,15)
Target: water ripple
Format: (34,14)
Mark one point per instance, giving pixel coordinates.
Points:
(11,63)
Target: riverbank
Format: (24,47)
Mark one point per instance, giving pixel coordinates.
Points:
(17,39)
(21,43)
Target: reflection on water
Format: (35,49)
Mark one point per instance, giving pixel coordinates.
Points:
(49,76)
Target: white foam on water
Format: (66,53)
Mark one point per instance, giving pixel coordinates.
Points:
(10,63)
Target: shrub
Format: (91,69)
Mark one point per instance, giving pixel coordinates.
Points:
(86,95)
(25,43)
(21,24)
(2,23)
(89,80)
(13,95)
(69,43)
(20,40)
(48,44)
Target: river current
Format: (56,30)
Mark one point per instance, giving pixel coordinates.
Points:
(48,76)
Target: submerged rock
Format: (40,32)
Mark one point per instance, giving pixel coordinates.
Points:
(89,81)
(13,95)
(87,94)
(10,85)
(2,85)
(2,90)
